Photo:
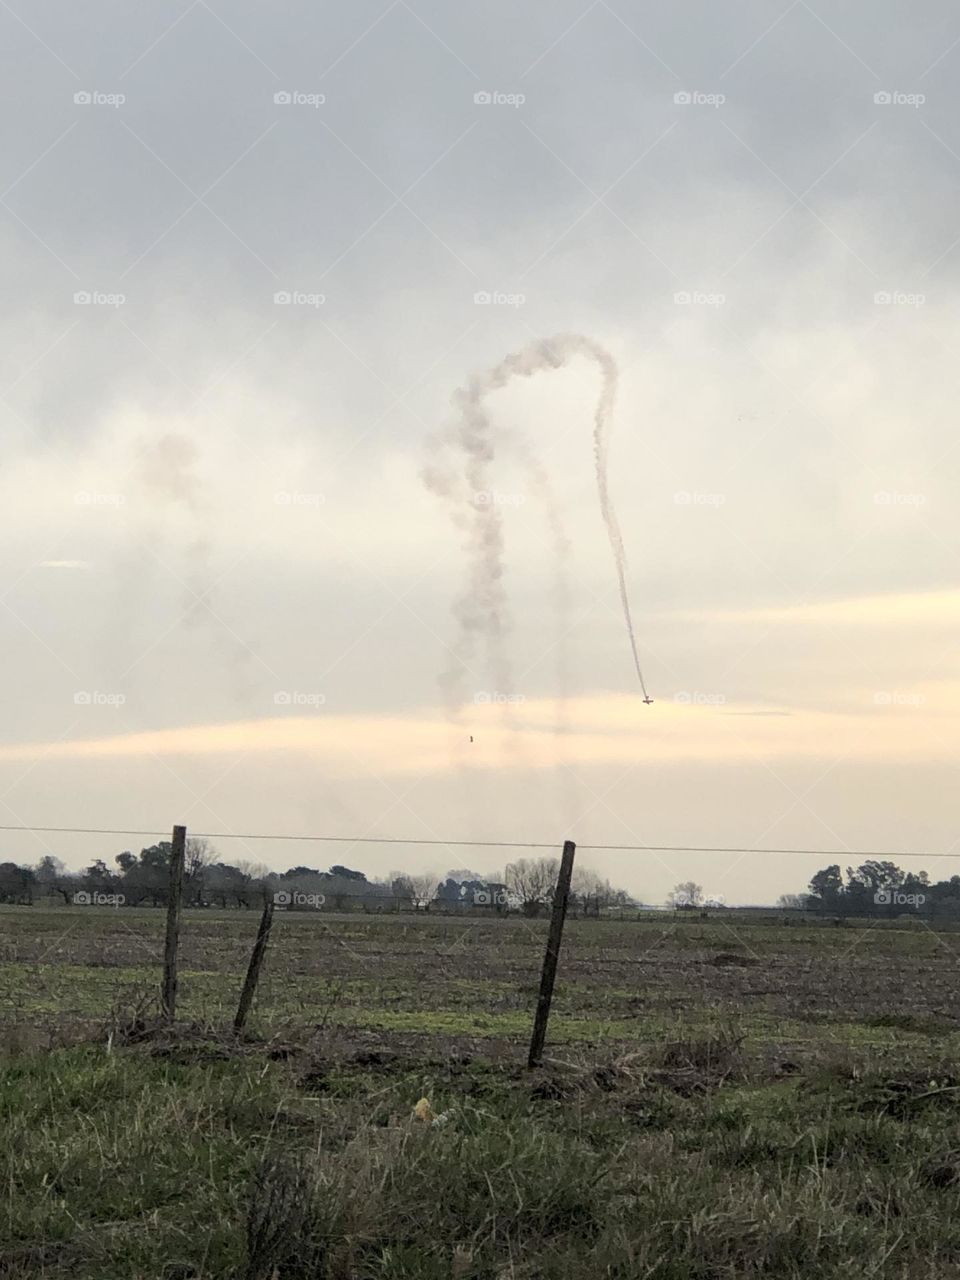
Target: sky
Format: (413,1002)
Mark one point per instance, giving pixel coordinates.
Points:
(250,255)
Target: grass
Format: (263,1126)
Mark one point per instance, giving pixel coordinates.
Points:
(696,1117)
(148,1161)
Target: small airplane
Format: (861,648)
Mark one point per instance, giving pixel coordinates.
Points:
(647,700)
(471,737)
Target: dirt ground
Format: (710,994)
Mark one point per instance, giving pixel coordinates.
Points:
(472,983)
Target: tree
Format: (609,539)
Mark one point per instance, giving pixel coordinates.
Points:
(424,889)
(826,889)
(592,893)
(686,894)
(251,883)
(147,877)
(98,878)
(448,890)
(792,901)
(16,883)
(52,878)
(872,877)
(157,855)
(227,886)
(586,890)
(200,854)
(49,869)
(532,882)
(403,889)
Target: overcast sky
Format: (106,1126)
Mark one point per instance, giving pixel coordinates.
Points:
(227,594)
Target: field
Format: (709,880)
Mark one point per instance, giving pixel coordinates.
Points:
(720,1098)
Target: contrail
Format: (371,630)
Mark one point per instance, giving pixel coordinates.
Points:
(481,610)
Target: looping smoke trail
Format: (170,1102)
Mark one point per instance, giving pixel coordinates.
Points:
(481,610)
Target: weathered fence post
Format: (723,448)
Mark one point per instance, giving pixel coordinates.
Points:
(168,999)
(253,969)
(561,895)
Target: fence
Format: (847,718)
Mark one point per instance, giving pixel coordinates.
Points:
(287,900)
(886,911)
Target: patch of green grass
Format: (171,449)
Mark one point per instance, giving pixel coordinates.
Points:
(114,1164)
(130,1164)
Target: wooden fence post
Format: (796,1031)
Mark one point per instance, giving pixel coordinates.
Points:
(253,969)
(178,852)
(561,896)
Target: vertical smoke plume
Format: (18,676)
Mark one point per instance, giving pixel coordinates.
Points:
(481,610)
(539,482)
(169,474)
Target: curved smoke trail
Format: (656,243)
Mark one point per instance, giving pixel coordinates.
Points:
(481,610)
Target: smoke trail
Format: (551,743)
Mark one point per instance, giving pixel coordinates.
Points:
(168,472)
(568,799)
(539,481)
(481,610)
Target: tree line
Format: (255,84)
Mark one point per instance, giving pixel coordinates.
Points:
(877,888)
(142,879)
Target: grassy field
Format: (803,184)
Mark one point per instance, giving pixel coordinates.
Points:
(720,1098)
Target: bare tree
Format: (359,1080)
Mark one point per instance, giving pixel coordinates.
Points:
(424,889)
(532,881)
(792,901)
(588,890)
(253,882)
(200,854)
(402,889)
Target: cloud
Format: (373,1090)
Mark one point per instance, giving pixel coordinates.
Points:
(926,609)
(775,275)
(601,731)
